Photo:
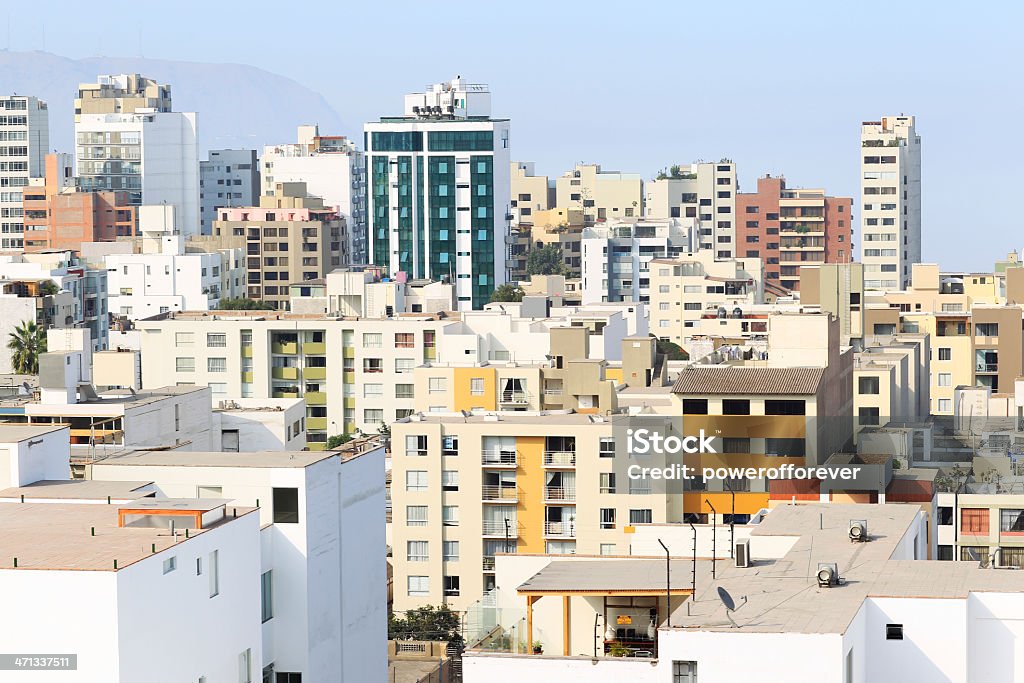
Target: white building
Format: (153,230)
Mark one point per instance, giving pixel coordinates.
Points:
(323,553)
(439,190)
(24,142)
(229,177)
(260,424)
(150,154)
(164,277)
(332,168)
(890,189)
(702,191)
(617,256)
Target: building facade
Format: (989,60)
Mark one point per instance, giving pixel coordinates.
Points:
(24,141)
(228,177)
(705,192)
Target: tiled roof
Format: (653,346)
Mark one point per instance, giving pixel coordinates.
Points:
(731,379)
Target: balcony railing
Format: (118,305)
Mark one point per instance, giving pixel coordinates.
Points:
(988,367)
(560,529)
(500,493)
(559,458)
(488,563)
(514,397)
(553,392)
(499,458)
(498,528)
(560,493)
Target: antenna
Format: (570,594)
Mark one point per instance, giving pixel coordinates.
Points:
(730,605)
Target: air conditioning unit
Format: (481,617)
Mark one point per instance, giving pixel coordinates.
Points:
(741,552)
(858,530)
(828,574)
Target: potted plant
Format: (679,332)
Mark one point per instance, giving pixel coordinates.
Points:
(618,650)
(538,649)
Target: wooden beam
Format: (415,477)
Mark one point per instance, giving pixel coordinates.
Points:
(529,623)
(565,625)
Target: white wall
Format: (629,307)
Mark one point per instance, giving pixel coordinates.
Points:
(496,668)
(42,457)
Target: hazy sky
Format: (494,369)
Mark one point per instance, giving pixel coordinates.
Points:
(778,87)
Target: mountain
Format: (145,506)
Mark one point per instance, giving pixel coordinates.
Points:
(238,106)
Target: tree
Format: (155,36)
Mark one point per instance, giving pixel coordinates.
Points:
(672,351)
(337,440)
(243,304)
(426,623)
(506,292)
(49,288)
(546,260)
(26,342)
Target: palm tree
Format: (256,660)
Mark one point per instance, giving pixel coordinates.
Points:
(27,342)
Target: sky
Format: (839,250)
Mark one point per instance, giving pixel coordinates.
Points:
(777,87)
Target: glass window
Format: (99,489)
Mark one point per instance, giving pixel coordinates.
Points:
(185,364)
(404,391)
(450,515)
(640,517)
(286,506)
(267,595)
(416,445)
(451,551)
(684,672)
(867,385)
(418,586)
(416,480)
(416,551)
(216,364)
(372,340)
(404,365)
(450,480)
(373,390)
(184,339)
(438,385)
(476,386)
(216,339)
(415,515)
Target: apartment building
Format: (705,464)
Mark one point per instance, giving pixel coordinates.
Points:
(438,198)
(333,169)
(163,277)
(837,288)
(601,195)
(59,215)
(890,201)
(530,192)
(616,257)
(228,177)
(790,228)
(684,289)
(121,94)
(290,237)
(25,138)
(704,192)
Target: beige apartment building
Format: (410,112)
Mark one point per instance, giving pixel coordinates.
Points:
(891,381)
(122,94)
(686,288)
(702,191)
(601,195)
(289,238)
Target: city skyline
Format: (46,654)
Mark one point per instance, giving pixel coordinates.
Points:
(810,135)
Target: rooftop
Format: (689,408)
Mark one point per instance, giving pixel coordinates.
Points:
(618,577)
(58,536)
(732,379)
(12,432)
(261,459)
(79,489)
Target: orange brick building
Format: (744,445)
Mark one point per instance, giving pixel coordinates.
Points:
(58,215)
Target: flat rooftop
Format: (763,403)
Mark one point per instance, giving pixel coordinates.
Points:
(12,432)
(619,577)
(783,594)
(58,536)
(79,489)
(284,316)
(537,419)
(259,459)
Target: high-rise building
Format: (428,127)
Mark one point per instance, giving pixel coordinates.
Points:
(229,177)
(890,201)
(333,169)
(702,191)
(792,227)
(24,140)
(133,142)
(438,193)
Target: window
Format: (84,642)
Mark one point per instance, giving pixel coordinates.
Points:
(945,516)
(695,406)
(986,330)
(416,444)
(404,365)
(735,407)
(245,667)
(439,385)
(451,586)
(894,631)
(404,391)
(185,364)
(945,553)
(451,551)
(286,505)
(607,482)
(372,340)
(373,415)
(214,574)
(267,595)
(684,672)
(418,586)
(733,444)
(640,517)
(415,515)
(1011,522)
(373,390)
(450,515)
(945,353)
(945,405)
(945,379)
(606,447)
(405,340)
(974,521)
(867,385)
(216,364)
(449,480)
(170,564)
(782,446)
(607,518)
(868,416)
(416,480)
(416,551)
(476,387)
(184,339)
(216,339)
(784,407)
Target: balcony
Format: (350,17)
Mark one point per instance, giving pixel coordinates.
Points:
(285,348)
(560,529)
(500,494)
(284,373)
(987,367)
(284,394)
(499,458)
(314,373)
(316,424)
(488,563)
(514,398)
(559,459)
(314,348)
(498,528)
(247,377)
(560,494)
(316,398)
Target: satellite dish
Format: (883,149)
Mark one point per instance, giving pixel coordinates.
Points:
(726,599)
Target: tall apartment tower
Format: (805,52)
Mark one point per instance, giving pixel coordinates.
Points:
(890,201)
(703,191)
(24,141)
(332,168)
(439,190)
(127,138)
(229,177)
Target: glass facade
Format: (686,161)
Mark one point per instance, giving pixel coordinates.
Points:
(441,182)
(405,211)
(482,221)
(381,217)
(461,141)
(420,239)
(410,141)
